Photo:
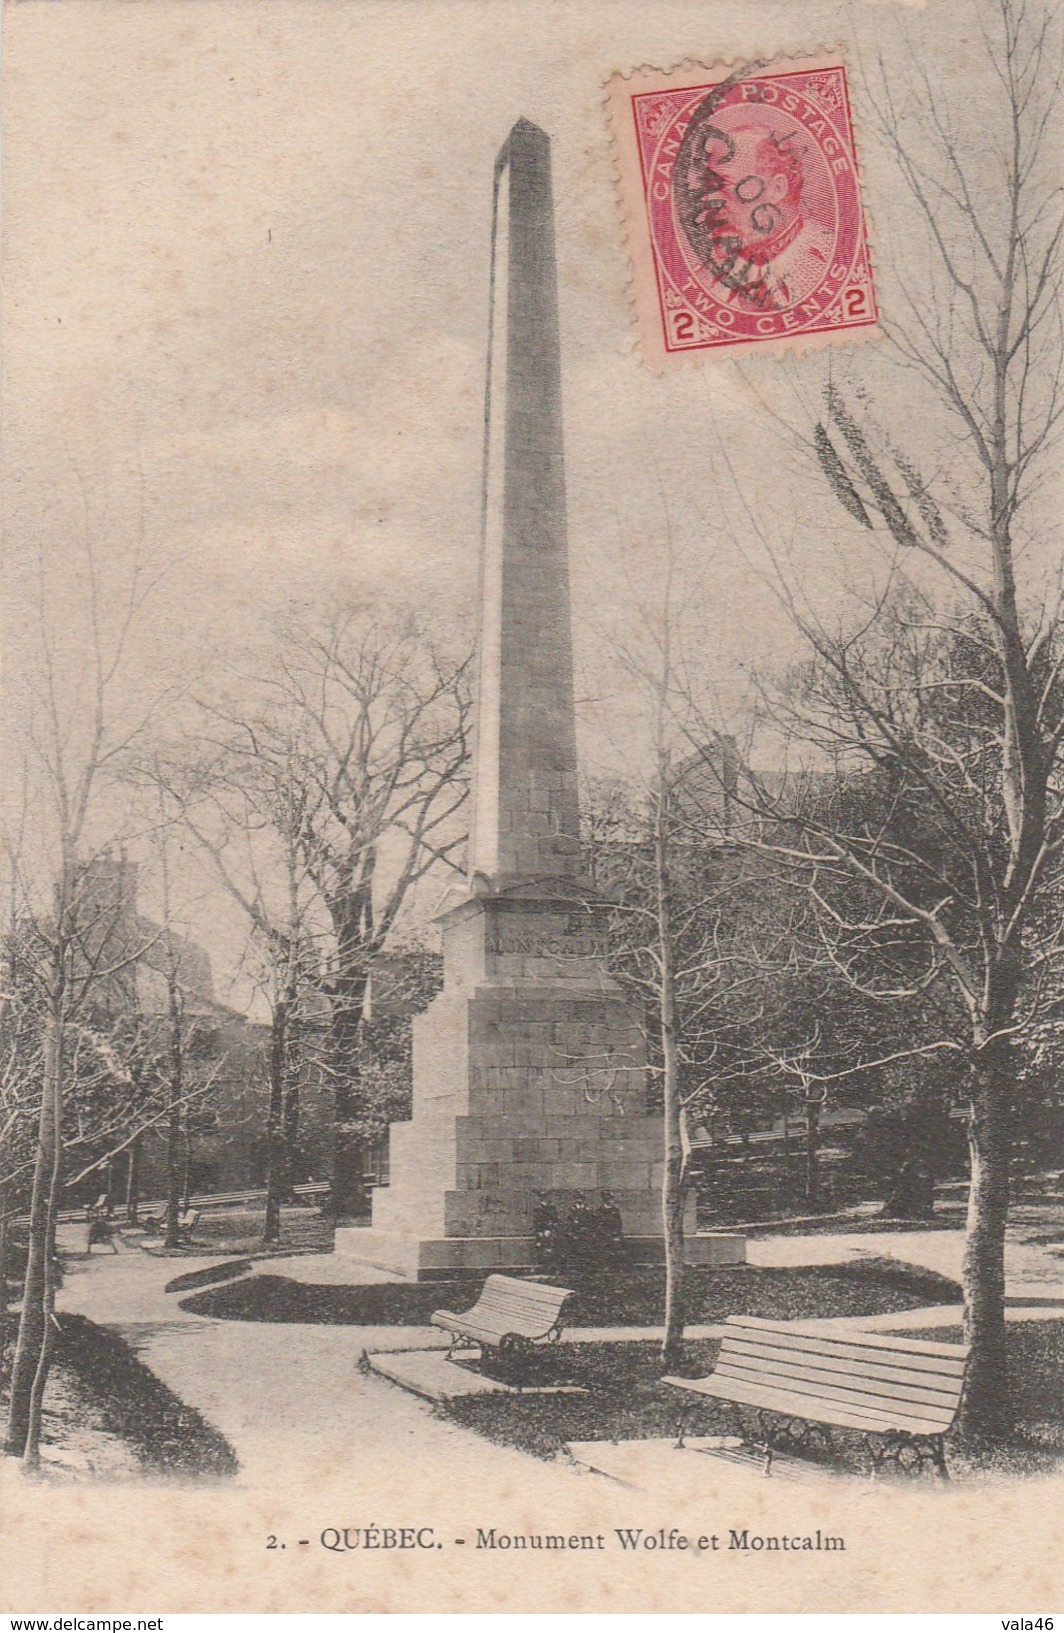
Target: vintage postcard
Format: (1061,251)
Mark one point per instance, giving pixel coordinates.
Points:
(532,1017)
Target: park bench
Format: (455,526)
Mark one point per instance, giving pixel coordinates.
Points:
(187,1221)
(902,1394)
(509,1319)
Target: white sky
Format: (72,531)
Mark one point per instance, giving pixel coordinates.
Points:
(245,298)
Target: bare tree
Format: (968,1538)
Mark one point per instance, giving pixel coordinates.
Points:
(77,951)
(81,716)
(243,797)
(377,712)
(681,937)
(944,691)
(21,1071)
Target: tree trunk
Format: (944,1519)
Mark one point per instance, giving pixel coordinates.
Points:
(186,1165)
(673,1185)
(291,1135)
(172,1234)
(672,1200)
(987,1408)
(348,1192)
(133,1182)
(812,1155)
(673,1194)
(276,1166)
(32,1450)
(4,1238)
(292,1065)
(32,1320)
(172,1237)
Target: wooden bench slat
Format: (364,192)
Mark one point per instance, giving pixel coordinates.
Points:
(848,1341)
(489,1318)
(852,1348)
(790,1405)
(800,1333)
(533,1293)
(804,1406)
(537,1297)
(798,1382)
(876,1365)
(533,1306)
(886,1398)
(849,1400)
(509,1300)
(864,1420)
(852,1342)
(466,1324)
(511,1312)
(506,1299)
(854,1377)
(524,1289)
(914,1385)
(483,1335)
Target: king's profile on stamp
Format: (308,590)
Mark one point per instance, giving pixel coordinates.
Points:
(746,193)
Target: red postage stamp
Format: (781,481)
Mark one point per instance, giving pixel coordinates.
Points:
(743,207)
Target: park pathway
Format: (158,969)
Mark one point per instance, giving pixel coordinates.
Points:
(290,1396)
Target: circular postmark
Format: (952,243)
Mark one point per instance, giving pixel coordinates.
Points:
(760,233)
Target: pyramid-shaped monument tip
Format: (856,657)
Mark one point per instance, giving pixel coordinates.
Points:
(525,127)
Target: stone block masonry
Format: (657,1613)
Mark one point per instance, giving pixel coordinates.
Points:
(522,1084)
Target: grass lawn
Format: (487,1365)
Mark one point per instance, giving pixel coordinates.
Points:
(238,1232)
(948,1216)
(628,1298)
(626,1400)
(1036,1377)
(106,1416)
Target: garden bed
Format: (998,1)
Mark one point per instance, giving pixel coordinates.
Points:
(167,1439)
(107,1416)
(632,1298)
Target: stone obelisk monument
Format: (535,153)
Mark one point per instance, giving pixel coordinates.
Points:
(529,1066)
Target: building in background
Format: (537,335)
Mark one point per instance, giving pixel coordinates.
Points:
(131,963)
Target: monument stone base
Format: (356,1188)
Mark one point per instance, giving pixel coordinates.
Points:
(432,1260)
(529,1082)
